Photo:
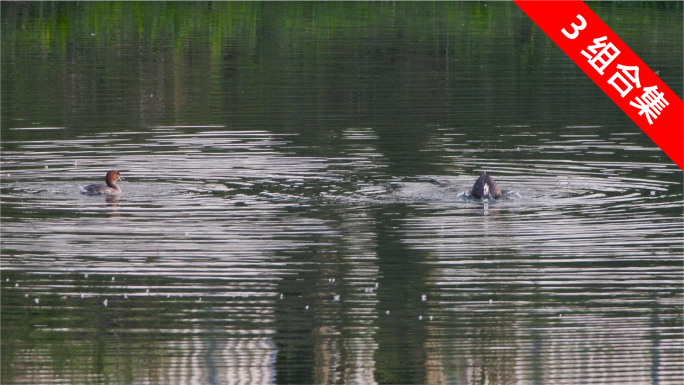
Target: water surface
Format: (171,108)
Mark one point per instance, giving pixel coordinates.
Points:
(296,208)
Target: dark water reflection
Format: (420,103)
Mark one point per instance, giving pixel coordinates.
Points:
(295,206)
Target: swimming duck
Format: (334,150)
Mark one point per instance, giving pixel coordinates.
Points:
(485,186)
(99,189)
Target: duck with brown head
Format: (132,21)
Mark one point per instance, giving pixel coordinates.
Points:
(485,186)
(99,189)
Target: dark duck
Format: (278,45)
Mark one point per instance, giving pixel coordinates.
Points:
(485,186)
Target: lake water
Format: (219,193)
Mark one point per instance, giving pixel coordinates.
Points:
(295,206)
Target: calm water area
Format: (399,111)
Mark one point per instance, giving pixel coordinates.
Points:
(296,205)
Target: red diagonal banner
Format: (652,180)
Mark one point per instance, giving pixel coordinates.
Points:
(618,71)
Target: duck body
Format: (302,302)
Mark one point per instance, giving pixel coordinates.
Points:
(111,188)
(485,186)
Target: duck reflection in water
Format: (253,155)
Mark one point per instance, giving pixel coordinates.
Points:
(485,186)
